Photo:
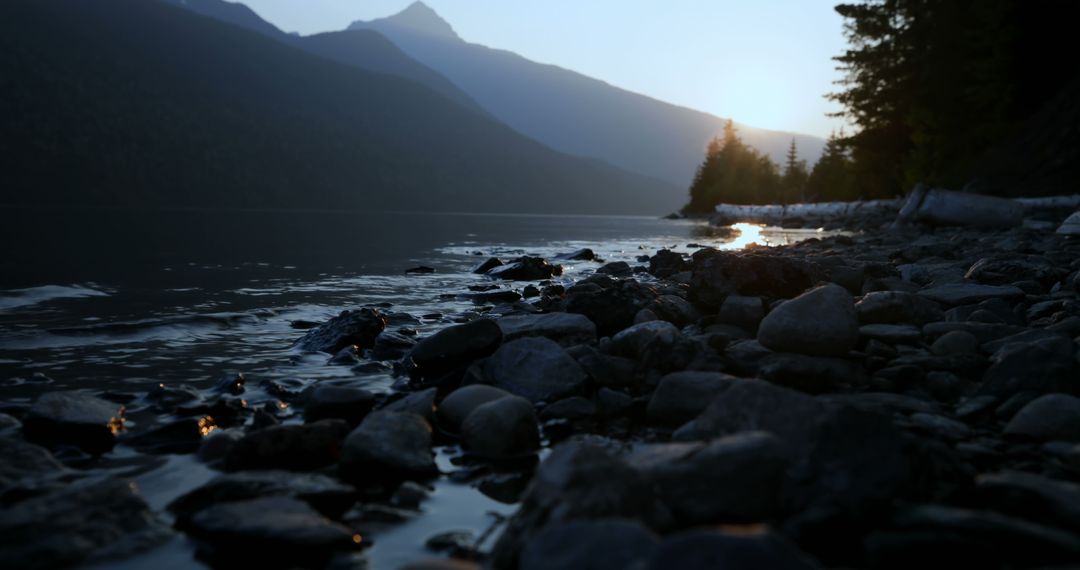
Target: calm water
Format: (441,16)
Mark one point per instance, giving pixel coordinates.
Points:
(122,301)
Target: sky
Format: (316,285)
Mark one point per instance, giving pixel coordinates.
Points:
(765,63)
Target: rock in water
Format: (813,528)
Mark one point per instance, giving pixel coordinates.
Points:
(566,329)
(293,447)
(526,269)
(614,544)
(453,347)
(280,531)
(359,327)
(389,446)
(324,494)
(84,521)
(25,461)
(74,418)
(820,322)
(460,403)
(535,368)
(667,263)
(338,402)
(501,428)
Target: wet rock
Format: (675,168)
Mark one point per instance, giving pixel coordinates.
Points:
(324,494)
(25,462)
(1025,336)
(812,374)
(738,478)
(391,345)
(165,398)
(667,263)
(682,396)
(338,402)
(359,327)
(1006,271)
(578,480)
(460,403)
(604,369)
(820,322)
(892,334)
(85,521)
(743,312)
(887,307)
(934,534)
(636,341)
(291,447)
(985,332)
(453,348)
(1044,366)
(968,293)
(441,564)
(955,342)
(1031,497)
(230,383)
(717,274)
(216,446)
(280,531)
(487,265)
(530,291)
(420,269)
(566,329)
(496,297)
(421,403)
(74,418)
(709,549)
(504,427)
(526,268)
(611,403)
(409,495)
(535,368)
(611,308)
(584,254)
(941,426)
(389,446)
(616,269)
(180,436)
(453,542)
(1049,417)
(614,544)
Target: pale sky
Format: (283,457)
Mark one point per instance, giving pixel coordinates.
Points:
(765,63)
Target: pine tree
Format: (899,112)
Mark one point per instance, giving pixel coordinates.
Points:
(793,184)
(833,177)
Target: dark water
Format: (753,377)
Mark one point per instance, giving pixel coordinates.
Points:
(122,301)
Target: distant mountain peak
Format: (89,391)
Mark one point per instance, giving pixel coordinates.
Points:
(420,18)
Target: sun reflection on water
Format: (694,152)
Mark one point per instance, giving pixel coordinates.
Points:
(748,234)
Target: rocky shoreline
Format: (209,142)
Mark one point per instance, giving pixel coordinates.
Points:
(904,396)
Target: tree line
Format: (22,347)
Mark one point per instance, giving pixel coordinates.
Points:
(951,93)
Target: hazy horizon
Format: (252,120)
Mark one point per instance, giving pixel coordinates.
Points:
(770,68)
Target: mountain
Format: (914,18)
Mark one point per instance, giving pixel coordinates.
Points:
(365,49)
(138,103)
(570,111)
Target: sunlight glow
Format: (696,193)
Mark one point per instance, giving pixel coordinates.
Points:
(749,234)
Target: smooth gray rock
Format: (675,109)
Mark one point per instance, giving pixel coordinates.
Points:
(566,329)
(605,544)
(421,403)
(391,345)
(535,368)
(754,405)
(452,348)
(26,462)
(84,521)
(338,402)
(453,410)
(681,396)
(325,494)
(985,332)
(1071,225)
(1032,497)
(890,307)
(820,322)
(955,342)
(389,446)
(892,334)
(505,427)
(738,478)
(1048,417)
(968,293)
(573,408)
(636,340)
(811,374)
(1044,366)
(674,309)
(74,418)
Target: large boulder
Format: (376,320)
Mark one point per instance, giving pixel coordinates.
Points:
(338,402)
(74,418)
(84,521)
(749,405)
(356,327)
(505,427)
(605,544)
(1048,417)
(453,348)
(389,446)
(453,410)
(734,479)
(717,274)
(612,307)
(1043,366)
(820,322)
(888,307)
(535,368)
(566,329)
